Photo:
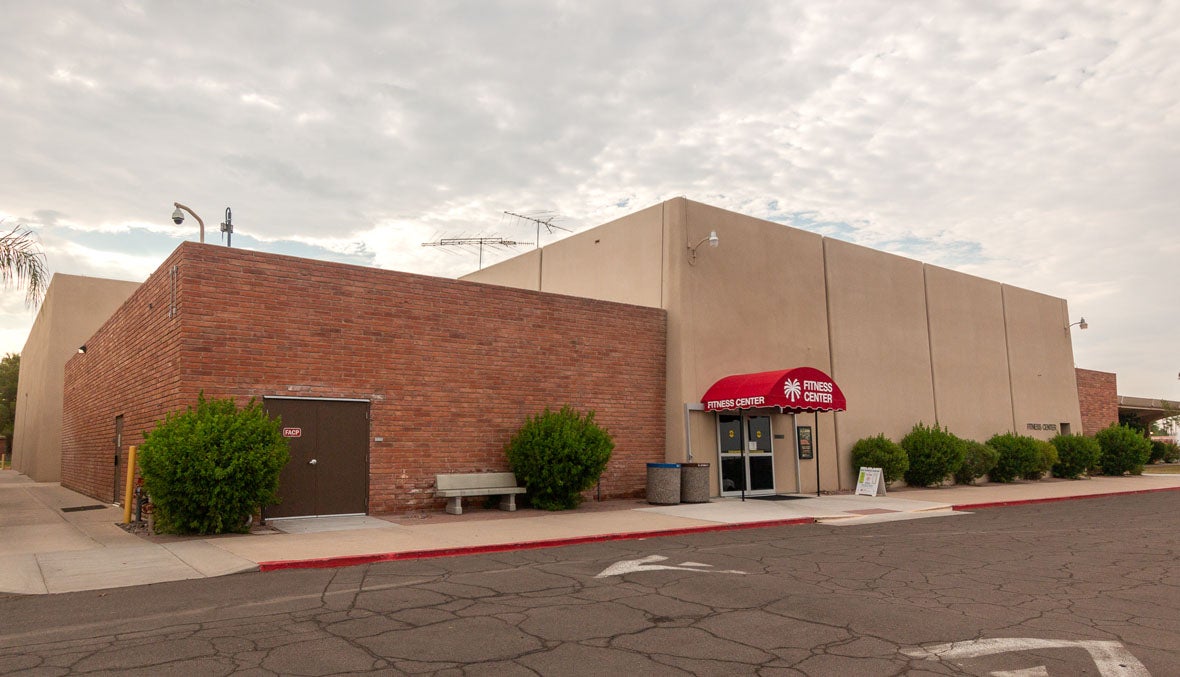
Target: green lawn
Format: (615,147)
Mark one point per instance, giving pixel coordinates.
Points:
(1165,468)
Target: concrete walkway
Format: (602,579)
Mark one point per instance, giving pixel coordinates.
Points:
(45,549)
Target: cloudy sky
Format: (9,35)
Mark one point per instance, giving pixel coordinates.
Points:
(1036,143)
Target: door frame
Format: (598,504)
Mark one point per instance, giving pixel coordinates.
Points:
(368,445)
(743,416)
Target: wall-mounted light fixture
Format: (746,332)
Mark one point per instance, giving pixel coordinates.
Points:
(82,349)
(692,250)
(1080,323)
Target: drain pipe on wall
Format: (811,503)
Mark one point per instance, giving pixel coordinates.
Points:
(689,406)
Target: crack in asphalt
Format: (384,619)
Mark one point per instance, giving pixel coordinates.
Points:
(816,600)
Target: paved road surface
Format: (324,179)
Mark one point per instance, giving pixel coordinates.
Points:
(1086,587)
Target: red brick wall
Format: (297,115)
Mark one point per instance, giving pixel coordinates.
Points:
(451,368)
(1098,398)
(132,368)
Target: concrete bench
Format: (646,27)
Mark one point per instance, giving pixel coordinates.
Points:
(455,486)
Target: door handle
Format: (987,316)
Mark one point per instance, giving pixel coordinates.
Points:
(311,462)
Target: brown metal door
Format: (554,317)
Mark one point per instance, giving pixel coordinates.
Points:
(342,473)
(328,472)
(118,464)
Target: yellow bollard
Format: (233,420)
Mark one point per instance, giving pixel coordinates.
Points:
(130,484)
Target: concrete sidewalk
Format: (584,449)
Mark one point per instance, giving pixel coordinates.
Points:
(45,549)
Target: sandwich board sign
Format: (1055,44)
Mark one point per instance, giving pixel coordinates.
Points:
(869,483)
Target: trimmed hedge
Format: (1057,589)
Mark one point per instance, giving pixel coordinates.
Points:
(1171,452)
(1124,450)
(934,455)
(558,455)
(1047,453)
(1077,455)
(1018,456)
(978,461)
(207,470)
(1164,452)
(880,452)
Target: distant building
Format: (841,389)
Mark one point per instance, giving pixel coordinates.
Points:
(73,309)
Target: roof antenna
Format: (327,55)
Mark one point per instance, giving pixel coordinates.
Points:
(546,219)
(493,241)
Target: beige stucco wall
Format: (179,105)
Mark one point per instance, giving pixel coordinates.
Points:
(521,272)
(969,353)
(880,344)
(753,303)
(73,310)
(906,342)
(1040,359)
(617,261)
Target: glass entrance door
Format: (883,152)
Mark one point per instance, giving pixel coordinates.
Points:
(746,454)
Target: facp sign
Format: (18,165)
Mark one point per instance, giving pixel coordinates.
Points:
(292,432)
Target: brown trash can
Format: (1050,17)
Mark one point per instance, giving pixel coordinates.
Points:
(694,482)
(663,483)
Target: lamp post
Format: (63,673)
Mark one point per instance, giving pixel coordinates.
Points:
(178,218)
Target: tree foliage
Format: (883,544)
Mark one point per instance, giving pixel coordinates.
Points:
(22,264)
(9,376)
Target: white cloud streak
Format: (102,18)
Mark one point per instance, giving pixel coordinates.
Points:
(1031,142)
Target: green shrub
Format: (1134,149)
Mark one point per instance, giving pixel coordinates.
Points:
(1159,449)
(1047,455)
(978,460)
(1171,452)
(1018,456)
(934,455)
(880,452)
(558,455)
(1124,450)
(1077,455)
(208,469)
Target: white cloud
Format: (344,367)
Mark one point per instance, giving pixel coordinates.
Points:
(1030,142)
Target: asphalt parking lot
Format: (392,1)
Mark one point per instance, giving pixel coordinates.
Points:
(1087,587)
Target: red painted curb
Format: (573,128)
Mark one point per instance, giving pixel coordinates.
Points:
(1055,499)
(354,560)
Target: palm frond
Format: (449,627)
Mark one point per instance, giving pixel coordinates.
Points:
(22,264)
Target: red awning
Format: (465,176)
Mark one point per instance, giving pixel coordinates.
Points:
(799,389)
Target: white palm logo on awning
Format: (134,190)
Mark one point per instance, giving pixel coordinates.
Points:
(791,389)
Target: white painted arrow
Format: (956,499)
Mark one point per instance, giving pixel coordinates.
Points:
(1111,658)
(630,566)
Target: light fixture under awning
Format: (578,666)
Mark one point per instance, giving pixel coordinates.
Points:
(798,389)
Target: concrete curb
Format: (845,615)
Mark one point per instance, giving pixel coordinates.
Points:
(460,551)
(1054,499)
(354,560)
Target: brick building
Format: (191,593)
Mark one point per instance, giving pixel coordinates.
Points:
(425,375)
(1098,398)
